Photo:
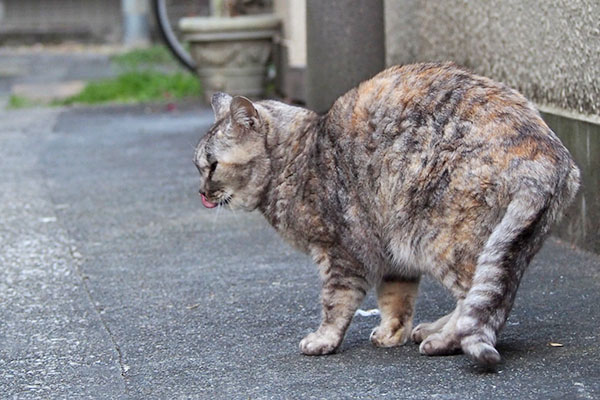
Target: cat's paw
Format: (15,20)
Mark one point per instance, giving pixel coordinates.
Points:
(421,332)
(482,353)
(389,336)
(316,344)
(439,344)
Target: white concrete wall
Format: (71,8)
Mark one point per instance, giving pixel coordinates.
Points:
(293,15)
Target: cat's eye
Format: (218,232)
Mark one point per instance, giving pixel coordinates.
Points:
(213,166)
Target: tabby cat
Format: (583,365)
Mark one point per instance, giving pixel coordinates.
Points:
(423,169)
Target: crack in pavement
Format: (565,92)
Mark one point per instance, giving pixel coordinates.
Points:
(77,259)
(52,343)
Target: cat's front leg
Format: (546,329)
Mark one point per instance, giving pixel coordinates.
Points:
(344,287)
(396,299)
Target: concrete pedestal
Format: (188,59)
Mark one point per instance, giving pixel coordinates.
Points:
(231,53)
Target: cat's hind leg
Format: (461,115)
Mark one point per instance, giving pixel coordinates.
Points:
(344,286)
(425,329)
(444,340)
(500,266)
(396,300)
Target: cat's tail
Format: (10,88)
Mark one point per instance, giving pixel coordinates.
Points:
(506,254)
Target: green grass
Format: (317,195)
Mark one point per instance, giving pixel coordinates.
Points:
(137,86)
(137,58)
(143,79)
(16,101)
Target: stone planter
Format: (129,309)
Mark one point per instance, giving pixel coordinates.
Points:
(231,53)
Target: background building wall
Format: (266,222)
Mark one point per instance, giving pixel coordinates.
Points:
(581,224)
(98,21)
(27,21)
(293,15)
(290,54)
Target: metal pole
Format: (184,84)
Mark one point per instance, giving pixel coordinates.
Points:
(136,31)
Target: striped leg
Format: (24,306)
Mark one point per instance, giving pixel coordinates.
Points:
(444,340)
(344,288)
(396,299)
(425,329)
(508,251)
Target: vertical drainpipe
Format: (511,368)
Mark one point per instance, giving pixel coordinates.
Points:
(136,31)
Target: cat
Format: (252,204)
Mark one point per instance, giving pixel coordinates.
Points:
(422,169)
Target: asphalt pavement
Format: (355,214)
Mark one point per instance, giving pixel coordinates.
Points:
(116,283)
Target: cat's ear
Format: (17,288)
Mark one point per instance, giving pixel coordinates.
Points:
(243,112)
(220,104)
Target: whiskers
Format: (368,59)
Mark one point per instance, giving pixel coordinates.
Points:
(232,209)
(214,223)
(225,201)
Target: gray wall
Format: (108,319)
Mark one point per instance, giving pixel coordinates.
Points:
(581,224)
(345,46)
(29,21)
(549,50)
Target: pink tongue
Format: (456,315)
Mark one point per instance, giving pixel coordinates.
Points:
(207,203)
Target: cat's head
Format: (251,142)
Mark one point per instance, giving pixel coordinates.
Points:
(231,157)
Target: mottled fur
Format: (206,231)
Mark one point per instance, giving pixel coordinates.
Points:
(423,169)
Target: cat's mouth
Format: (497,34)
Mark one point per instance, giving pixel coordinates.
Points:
(207,203)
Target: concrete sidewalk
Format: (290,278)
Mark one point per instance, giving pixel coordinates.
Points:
(49,73)
(116,283)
